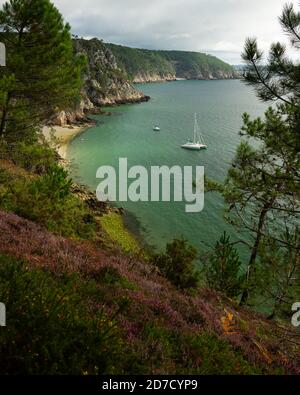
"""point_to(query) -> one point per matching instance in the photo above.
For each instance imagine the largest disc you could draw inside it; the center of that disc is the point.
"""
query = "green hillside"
(142, 61)
(151, 64)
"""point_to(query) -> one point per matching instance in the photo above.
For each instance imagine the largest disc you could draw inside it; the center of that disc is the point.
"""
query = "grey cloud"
(218, 27)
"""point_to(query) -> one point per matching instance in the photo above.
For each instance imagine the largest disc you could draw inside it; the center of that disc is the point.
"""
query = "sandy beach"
(62, 136)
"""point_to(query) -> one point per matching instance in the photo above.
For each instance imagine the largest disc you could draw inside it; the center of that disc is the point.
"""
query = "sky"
(218, 27)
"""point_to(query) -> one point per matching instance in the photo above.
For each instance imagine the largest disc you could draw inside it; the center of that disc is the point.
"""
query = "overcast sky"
(218, 27)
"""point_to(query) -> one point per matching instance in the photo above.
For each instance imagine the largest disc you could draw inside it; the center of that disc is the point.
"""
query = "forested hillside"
(143, 65)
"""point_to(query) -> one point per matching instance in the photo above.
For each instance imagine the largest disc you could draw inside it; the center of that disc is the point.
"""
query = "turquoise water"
(128, 133)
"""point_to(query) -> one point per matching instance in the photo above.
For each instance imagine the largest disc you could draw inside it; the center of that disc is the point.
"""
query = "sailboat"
(198, 142)
(156, 128)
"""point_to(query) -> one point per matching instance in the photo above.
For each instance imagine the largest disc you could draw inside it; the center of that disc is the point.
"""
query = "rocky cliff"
(104, 83)
(144, 76)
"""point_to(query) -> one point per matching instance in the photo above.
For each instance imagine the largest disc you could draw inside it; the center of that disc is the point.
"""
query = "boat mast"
(195, 129)
(198, 132)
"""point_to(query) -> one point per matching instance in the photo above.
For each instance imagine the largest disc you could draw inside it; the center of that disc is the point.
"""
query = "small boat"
(198, 142)
(156, 128)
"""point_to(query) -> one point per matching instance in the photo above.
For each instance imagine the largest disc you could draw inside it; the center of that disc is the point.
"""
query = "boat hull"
(196, 147)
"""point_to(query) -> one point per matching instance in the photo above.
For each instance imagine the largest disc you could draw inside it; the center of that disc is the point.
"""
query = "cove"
(128, 133)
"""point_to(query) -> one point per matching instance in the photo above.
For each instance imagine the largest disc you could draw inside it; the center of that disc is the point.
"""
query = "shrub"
(36, 158)
(177, 264)
(48, 200)
(223, 268)
(51, 328)
(4, 176)
(55, 183)
(216, 355)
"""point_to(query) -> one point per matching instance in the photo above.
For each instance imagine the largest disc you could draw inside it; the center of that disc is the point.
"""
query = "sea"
(126, 131)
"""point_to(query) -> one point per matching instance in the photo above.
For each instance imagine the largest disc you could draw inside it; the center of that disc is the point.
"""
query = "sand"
(63, 135)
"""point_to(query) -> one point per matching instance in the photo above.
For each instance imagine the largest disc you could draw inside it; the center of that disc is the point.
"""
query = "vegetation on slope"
(42, 74)
(198, 65)
(151, 64)
(142, 62)
(117, 233)
(146, 324)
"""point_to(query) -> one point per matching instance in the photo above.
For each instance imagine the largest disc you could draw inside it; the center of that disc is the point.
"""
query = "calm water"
(128, 133)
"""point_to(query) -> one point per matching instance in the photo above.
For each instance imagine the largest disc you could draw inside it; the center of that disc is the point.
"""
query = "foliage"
(168, 63)
(50, 327)
(36, 158)
(177, 264)
(164, 330)
(55, 183)
(217, 356)
(278, 273)
(42, 74)
(222, 269)
(48, 200)
(262, 187)
(189, 64)
(141, 61)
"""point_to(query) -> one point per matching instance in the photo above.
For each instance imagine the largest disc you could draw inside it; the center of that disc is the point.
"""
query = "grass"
(115, 229)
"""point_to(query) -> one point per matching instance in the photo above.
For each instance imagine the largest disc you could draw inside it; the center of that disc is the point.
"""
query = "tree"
(261, 190)
(42, 74)
(177, 264)
(278, 274)
(222, 268)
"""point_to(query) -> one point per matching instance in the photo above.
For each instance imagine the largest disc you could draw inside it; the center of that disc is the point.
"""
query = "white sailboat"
(156, 128)
(198, 142)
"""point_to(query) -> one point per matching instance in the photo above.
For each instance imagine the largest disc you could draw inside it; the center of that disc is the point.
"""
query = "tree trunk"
(255, 247)
(4, 116)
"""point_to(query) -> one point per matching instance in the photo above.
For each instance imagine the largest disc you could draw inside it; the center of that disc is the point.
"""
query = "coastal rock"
(105, 83)
(73, 117)
(153, 77)
(89, 197)
(59, 119)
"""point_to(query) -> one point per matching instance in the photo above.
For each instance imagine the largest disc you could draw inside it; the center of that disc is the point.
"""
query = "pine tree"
(262, 187)
(42, 74)
(177, 264)
(278, 273)
(222, 268)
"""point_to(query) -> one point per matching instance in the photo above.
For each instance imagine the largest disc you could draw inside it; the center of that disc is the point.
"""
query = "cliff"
(104, 83)
(142, 65)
